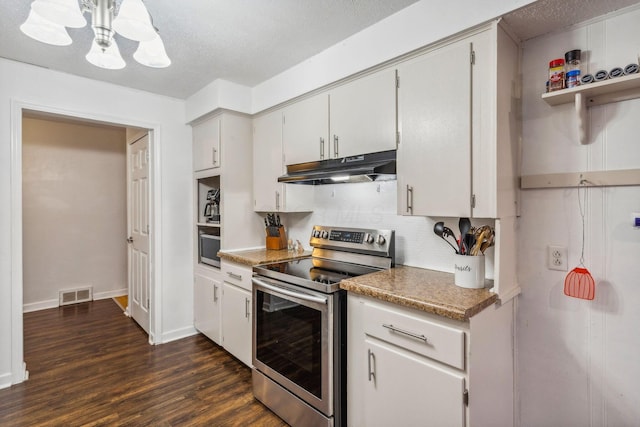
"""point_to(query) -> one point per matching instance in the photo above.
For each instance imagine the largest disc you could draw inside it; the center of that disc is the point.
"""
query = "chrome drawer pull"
(407, 333)
(234, 275)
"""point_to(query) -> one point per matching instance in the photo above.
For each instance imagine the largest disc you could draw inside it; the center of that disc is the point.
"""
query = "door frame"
(18, 366)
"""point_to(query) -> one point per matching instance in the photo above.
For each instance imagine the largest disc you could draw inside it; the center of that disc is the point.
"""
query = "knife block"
(276, 242)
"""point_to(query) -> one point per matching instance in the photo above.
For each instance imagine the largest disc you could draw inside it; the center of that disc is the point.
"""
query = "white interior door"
(138, 213)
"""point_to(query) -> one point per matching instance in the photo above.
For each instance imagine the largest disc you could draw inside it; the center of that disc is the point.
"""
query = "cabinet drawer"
(236, 274)
(422, 336)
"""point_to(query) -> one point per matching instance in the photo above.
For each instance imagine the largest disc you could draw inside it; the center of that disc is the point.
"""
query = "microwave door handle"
(290, 293)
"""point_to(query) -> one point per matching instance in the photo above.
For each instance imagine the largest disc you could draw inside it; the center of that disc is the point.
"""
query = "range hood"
(379, 166)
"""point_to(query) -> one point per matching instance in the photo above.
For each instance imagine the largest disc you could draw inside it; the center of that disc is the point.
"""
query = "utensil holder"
(278, 241)
(469, 271)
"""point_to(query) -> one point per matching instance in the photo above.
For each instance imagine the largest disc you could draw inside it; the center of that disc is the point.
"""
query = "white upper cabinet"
(269, 195)
(457, 114)
(305, 130)
(206, 144)
(357, 117)
(434, 111)
(363, 115)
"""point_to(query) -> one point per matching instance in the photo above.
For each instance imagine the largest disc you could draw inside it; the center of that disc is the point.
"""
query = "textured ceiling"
(248, 41)
(545, 16)
(242, 41)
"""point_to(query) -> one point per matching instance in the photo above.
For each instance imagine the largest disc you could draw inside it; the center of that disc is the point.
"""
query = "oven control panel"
(356, 239)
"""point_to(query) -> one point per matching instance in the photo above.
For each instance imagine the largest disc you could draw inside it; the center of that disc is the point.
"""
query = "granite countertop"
(426, 290)
(253, 257)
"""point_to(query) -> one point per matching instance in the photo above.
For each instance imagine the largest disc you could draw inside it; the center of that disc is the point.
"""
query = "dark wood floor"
(89, 365)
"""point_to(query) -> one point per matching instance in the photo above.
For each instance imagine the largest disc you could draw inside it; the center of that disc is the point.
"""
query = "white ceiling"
(242, 41)
(248, 41)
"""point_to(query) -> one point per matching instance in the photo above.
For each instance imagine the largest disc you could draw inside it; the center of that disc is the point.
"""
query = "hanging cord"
(582, 203)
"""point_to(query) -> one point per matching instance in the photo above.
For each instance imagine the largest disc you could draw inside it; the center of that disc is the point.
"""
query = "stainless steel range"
(299, 324)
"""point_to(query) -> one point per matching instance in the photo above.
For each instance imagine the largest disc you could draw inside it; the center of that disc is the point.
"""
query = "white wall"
(76, 96)
(577, 359)
(74, 216)
(418, 25)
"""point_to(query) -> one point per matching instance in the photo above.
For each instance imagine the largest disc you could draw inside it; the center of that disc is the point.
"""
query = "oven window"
(289, 340)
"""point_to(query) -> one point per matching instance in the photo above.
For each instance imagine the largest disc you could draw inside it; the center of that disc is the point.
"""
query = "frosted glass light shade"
(45, 31)
(62, 12)
(109, 58)
(152, 53)
(133, 21)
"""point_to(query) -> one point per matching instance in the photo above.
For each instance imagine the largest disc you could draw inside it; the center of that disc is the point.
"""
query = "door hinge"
(397, 138)
(465, 397)
(473, 200)
(397, 81)
(283, 119)
(473, 57)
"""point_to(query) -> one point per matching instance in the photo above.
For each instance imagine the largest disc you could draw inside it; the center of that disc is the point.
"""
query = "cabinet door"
(207, 302)
(363, 115)
(206, 144)
(305, 130)
(434, 153)
(236, 322)
(269, 195)
(267, 161)
(407, 390)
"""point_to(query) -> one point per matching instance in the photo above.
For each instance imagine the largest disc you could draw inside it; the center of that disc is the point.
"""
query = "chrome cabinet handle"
(246, 307)
(409, 199)
(215, 293)
(370, 357)
(234, 275)
(407, 333)
(214, 153)
(277, 200)
(321, 148)
(335, 146)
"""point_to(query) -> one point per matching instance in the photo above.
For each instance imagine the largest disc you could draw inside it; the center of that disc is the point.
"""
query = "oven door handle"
(305, 297)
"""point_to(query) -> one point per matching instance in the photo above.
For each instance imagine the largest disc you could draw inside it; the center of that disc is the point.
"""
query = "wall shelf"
(612, 178)
(605, 92)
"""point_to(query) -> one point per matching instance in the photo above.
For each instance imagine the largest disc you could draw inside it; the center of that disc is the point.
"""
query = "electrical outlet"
(557, 258)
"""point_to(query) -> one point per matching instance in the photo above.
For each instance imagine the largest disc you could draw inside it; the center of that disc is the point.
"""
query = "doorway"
(19, 109)
(74, 211)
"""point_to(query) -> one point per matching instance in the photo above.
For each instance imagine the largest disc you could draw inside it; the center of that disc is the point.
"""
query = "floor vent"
(73, 296)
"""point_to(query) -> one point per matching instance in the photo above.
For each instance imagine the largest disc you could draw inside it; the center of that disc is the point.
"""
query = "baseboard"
(110, 294)
(53, 303)
(178, 334)
(6, 380)
(40, 305)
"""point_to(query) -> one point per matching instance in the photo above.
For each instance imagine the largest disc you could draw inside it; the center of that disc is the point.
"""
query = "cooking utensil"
(469, 241)
(579, 283)
(481, 235)
(464, 224)
(440, 230)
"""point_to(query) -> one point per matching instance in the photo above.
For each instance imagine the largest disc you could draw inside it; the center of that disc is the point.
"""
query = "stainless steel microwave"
(208, 248)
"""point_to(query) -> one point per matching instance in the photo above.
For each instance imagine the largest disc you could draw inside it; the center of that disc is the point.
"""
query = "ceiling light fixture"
(48, 18)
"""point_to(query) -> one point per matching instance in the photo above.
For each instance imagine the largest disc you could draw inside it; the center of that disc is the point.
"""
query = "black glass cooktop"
(315, 273)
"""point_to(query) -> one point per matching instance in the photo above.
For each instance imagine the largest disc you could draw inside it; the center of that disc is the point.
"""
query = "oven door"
(292, 340)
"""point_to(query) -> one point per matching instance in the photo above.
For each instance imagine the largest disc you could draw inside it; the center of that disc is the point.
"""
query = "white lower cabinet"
(207, 295)
(406, 367)
(404, 389)
(236, 322)
(236, 310)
